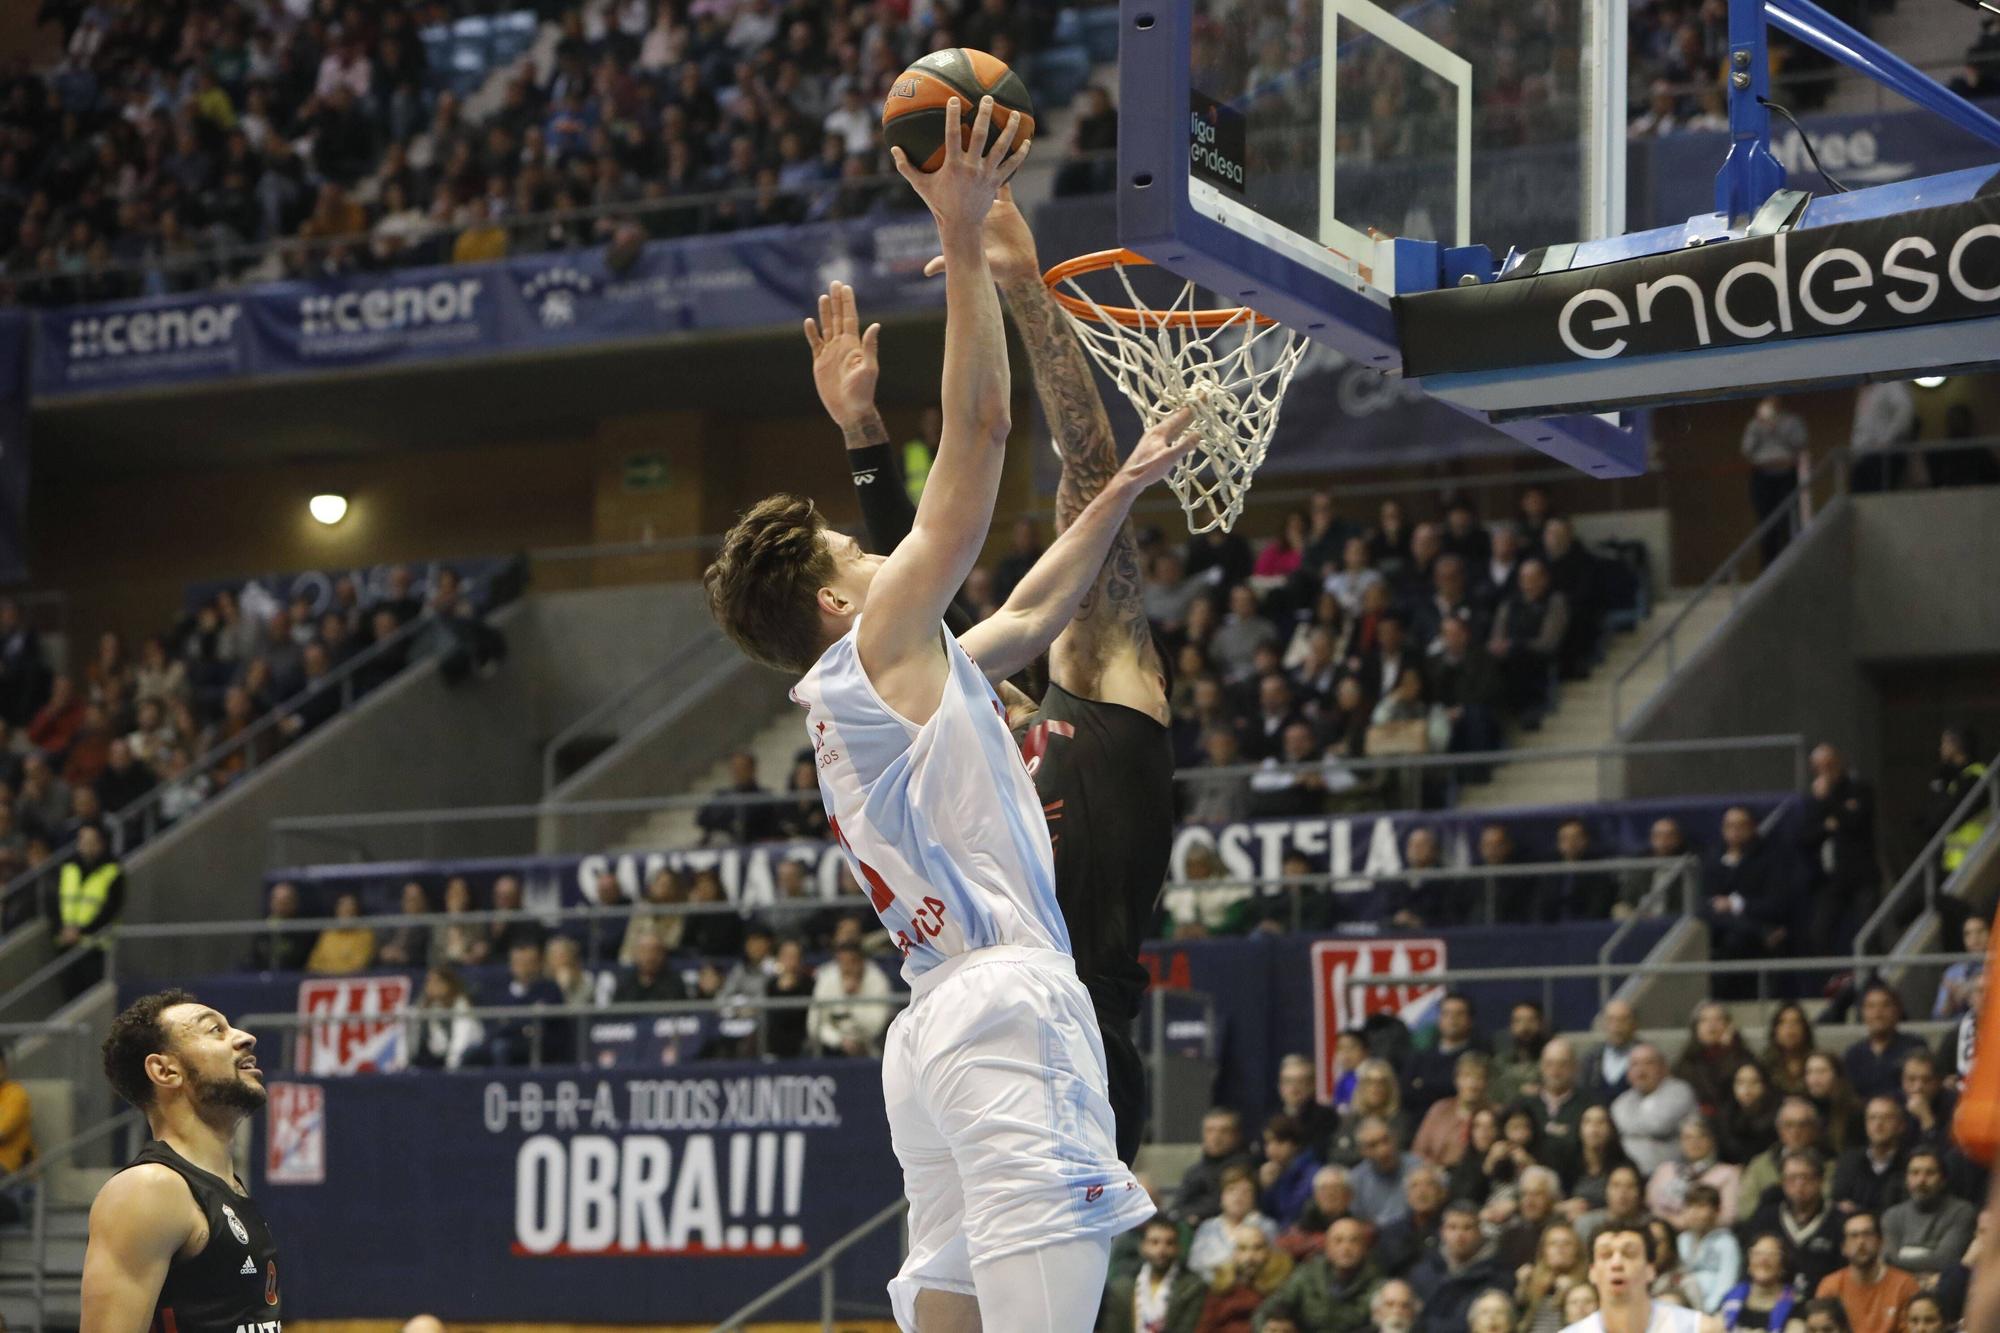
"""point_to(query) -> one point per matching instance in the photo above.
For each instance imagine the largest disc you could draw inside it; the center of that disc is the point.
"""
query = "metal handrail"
(38, 1227)
(1925, 868)
(1595, 971)
(821, 1266)
(46, 973)
(1834, 463)
(1191, 777)
(299, 925)
(703, 642)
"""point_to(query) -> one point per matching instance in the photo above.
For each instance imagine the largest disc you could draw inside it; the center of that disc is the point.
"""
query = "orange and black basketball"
(913, 116)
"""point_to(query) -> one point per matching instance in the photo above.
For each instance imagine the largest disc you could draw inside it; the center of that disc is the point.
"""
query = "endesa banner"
(613, 1198)
(764, 278)
(1931, 266)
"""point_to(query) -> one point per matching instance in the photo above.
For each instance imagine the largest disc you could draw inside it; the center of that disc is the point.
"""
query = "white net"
(1234, 374)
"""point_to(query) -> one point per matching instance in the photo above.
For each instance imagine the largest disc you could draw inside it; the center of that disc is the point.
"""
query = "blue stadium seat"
(1100, 32)
(1068, 29)
(1059, 74)
(513, 35)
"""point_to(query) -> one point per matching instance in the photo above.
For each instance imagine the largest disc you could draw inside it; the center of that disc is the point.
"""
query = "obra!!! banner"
(622, 1198)
(755, 279)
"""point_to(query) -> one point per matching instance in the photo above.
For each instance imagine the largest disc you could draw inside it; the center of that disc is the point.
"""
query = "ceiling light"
(329, 508)
(1928, 381)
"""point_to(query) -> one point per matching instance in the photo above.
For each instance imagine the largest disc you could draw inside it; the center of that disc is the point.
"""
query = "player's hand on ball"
(845, 361)
(1010, 246)
(1160, 448)
(962, 190)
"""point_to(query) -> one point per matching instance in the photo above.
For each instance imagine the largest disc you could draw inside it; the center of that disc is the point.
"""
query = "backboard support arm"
(1751, 173)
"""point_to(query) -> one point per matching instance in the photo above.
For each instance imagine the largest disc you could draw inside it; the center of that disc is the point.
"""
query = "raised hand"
(1160, 448)
(962, 190)
(845, 360)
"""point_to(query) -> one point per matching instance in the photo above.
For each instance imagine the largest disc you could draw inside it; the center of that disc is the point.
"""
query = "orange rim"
(1130, 316)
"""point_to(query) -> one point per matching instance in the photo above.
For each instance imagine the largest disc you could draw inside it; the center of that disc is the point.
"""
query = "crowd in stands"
(169, 129)
(1330, 643)
(1456, 1183)
(93, 762)
(479, 955)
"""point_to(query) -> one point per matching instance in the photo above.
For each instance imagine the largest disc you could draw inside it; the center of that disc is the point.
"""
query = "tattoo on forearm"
(1082, 434)
(869, 430)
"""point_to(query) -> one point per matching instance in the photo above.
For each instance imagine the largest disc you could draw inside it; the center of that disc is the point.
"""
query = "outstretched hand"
(845, 361)
(962, 190)
(1010, 245)
(1160, 448)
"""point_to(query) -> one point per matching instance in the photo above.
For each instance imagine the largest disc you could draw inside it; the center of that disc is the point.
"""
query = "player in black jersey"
(1098, 743)
(176, 1243)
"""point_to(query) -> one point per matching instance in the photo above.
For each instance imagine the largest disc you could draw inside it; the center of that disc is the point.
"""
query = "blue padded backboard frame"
(1157, 218)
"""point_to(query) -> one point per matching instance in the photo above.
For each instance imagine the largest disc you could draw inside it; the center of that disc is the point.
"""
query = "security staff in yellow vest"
(90, 893)
(1958, 773)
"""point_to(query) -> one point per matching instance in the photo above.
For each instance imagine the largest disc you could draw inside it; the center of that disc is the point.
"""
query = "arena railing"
(34, 1178)
(1604, 973)
(548, 827)
(1925, 880)
(822, 1268)
(1826, 480)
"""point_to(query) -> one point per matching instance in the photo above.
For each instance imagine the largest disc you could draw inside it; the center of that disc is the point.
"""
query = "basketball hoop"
(1225, 363)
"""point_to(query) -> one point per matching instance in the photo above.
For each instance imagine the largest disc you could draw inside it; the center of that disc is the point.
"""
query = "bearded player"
(176, 1242)
(1099, 744)
(993, 1077)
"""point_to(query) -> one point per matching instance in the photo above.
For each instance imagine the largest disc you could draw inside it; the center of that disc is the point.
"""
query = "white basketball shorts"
(994, 1083)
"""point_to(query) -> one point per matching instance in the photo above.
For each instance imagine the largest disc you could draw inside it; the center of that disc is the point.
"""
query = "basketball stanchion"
(1232, 365)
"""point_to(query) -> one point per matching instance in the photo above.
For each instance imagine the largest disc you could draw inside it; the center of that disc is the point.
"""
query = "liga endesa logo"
(1873, 282)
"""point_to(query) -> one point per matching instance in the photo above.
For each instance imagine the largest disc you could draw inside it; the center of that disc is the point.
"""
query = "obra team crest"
(236, 1227)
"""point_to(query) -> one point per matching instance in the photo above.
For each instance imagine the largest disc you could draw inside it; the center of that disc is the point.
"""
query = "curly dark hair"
(136, 1034)
(763, 587)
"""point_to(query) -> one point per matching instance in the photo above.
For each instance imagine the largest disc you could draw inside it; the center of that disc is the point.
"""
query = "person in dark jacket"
(1200, 1194)
(1751, 904)
(1837, 842)
(1868, 1177)
(1802, 1215)
(1330, 1292)
(1455, 1276)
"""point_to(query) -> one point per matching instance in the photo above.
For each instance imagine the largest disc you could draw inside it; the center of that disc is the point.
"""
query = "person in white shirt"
(1622, 1273)
(1649, 1112)
(1885, 415)
(849, 1028)
(1711, 1260)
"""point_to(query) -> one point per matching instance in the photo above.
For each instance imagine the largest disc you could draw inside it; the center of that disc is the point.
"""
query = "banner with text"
(1359, 848)
(614, 1198)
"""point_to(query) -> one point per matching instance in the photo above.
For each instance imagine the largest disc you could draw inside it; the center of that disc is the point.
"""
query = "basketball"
(913, 115)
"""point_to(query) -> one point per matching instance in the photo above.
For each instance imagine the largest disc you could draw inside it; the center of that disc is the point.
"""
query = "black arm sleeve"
(887, 514)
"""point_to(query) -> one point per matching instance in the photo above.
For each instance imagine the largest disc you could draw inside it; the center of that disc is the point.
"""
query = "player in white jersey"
(994, 1076)
(1621, 1269)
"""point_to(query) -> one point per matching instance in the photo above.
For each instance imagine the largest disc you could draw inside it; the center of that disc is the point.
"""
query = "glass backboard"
(1324, 127)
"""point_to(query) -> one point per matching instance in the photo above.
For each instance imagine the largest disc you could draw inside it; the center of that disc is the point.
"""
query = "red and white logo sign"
(295, 1145)
(365, 1031)
(1339, 1004)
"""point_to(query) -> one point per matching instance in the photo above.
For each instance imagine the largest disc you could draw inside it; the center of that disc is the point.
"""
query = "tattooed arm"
(1107, 652)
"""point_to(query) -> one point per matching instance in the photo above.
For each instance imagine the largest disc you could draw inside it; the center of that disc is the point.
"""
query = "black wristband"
(871, 463)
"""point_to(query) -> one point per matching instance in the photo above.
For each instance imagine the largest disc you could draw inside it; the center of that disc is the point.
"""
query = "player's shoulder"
(1590, 1324)
(147, 1197)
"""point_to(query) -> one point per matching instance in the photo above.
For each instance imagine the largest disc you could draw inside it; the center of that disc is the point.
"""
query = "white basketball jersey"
(1666, 1319)
(941, 821)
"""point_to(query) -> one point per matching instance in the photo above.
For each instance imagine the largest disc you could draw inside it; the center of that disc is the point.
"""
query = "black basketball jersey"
(232, 1285)
(1105, 774)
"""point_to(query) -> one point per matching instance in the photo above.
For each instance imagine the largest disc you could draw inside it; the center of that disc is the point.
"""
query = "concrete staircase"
(774, 746)
(1582, 716)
